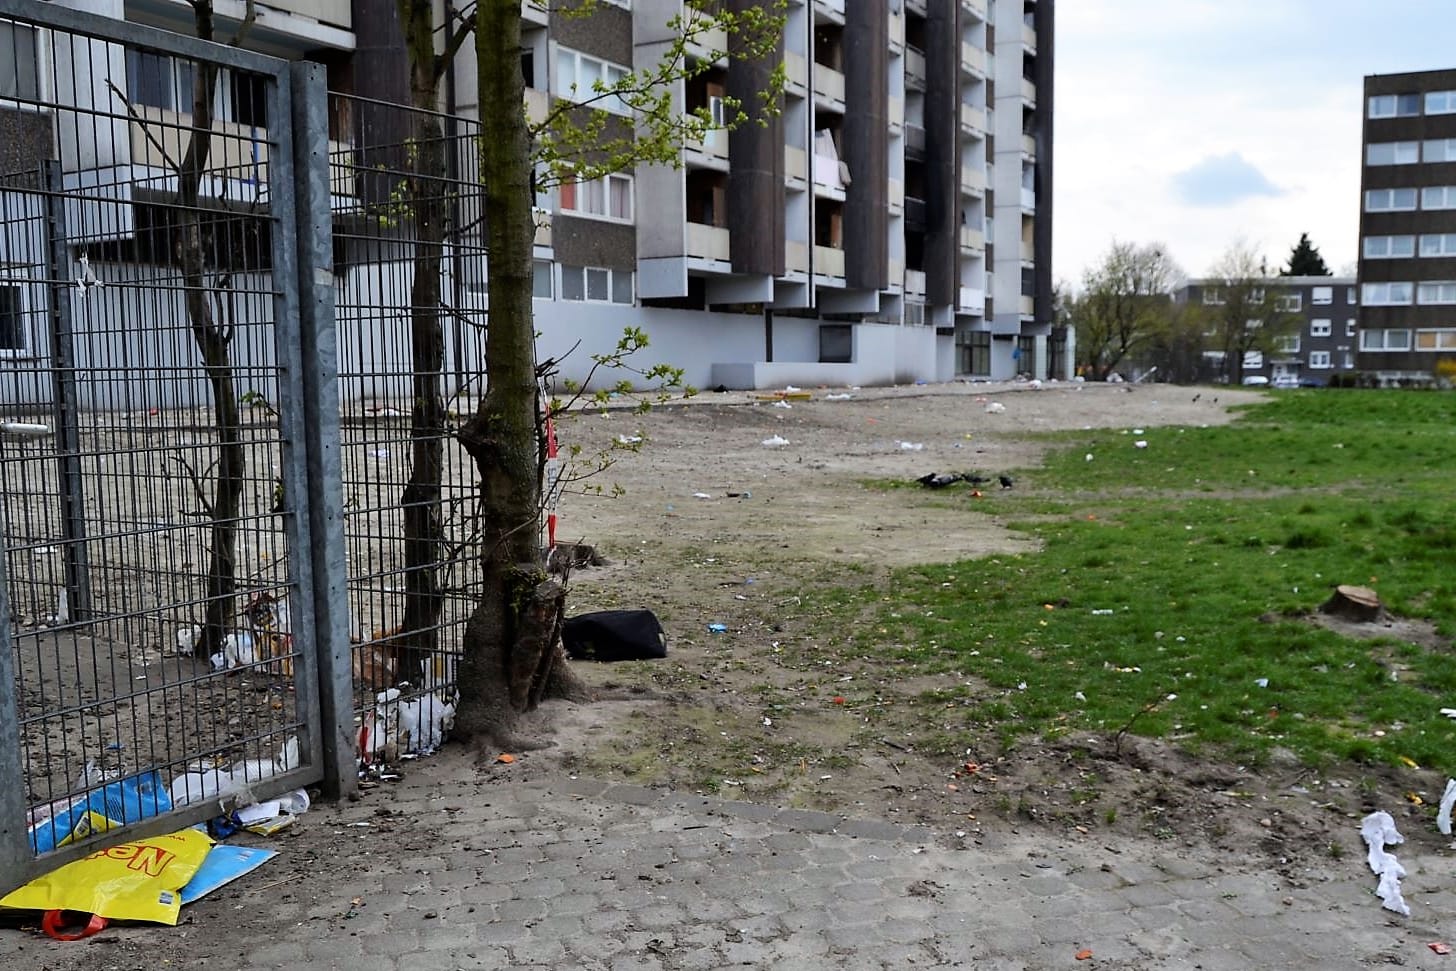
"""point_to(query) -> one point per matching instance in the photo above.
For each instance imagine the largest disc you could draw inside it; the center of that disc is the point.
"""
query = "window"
(1439, 293)
(1384, 340)
(1436, 340)
(1320, 327)
(1389, 247)
(1213, 297)
(1440, 102)
(160, 81)
(1287, 343)
(1253, 360)
(1289, 302)
(1438, 244)
(19, 81)
(578, 76)
(1438, 197)
(1392, 153)
(1390, 200)
(1439, 150)
(609, 197)
(1386, 294)
(1394, 106)
(247, 99)
(541, 283)
(1256, 295)
(1351, 297)
(1320, 296)
(12, 318)
(1350, 327)
(594, 284)
(1319, 359)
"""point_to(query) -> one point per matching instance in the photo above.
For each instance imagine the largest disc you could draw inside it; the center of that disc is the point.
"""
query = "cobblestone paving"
(435, 873)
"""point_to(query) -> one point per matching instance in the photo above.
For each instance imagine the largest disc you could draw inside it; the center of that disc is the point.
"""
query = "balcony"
(535, 13)
(973, 120)
(711, 152)
(829, 261)
(831, 10)
(897, 274)
(796, 256)
(707, 242)
(915, 212)
(1028, 306)
(1028, 37)
(973, 181)
(915, 283)
(973, 60)
(708, 45)
(828, 88)
(1028, 145)
(914, 139)
(796, 74)
(972, 240)
(796, 164)
(914, 68)
(1028, 200)
(896, 112)
(976, 8)
(971, 300)
(897, 32)
(1028, 91)
(896, 197)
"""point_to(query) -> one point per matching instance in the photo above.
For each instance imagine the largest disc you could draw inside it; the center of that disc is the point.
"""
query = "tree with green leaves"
(1244, 309)
(512, 654)
(1125, 302)
(1305, 260)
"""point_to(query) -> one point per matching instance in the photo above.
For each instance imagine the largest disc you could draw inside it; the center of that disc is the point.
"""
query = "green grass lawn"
(1171, 589)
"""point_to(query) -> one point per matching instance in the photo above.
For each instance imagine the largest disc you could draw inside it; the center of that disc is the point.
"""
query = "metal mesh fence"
(409, 267)
(151, 486)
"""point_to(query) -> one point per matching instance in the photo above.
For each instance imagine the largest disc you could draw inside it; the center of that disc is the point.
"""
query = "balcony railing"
(972, 300)
(796, 163)
(915, 283)
(973, 60)
(796, 256)
(828, 261)
(972, 240)
(707, 242)
(829, 85)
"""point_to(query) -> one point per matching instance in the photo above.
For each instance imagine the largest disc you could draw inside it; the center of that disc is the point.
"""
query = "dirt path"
(716, 528)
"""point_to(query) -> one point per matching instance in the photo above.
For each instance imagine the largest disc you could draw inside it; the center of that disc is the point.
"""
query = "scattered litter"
(782, 404)
(778, 441)
(1440, 947)
(379, 453)
(718, 628)
(1449, 712)
(505, 758)
(1102, 612)
(1262, 682)
(127, 799)
(139, 880)
(200, 784)
(701, 495)
(1378, 830)
(1089, 456)
(1448, 799)
(838, 397)
(995, 408)
(224, 864)
(397, 727)
(912, 446)
(1137, 431)
(1085, 954)
(629, 439)
(187, 639)
(1140, 443)
(1080, 696)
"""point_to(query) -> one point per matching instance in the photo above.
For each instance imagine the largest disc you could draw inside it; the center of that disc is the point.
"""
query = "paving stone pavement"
(559, 872)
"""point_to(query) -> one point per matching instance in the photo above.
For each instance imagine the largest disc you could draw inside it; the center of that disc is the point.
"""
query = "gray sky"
(1198, 123)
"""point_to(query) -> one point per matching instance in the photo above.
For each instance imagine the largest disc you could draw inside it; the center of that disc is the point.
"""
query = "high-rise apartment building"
(1407, 269)
(892, 223)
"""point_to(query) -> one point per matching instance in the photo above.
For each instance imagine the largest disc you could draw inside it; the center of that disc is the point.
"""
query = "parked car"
(1286, 381)
(1255, 380)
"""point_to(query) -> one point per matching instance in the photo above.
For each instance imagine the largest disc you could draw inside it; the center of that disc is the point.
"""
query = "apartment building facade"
(1318, 339)
(891, 224)
(1407, 267)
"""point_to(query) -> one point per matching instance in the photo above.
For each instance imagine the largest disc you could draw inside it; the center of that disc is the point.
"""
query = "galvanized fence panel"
(411, 542)
(119, 264)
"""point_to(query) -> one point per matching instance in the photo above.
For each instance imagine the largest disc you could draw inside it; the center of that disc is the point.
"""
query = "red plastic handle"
(54, 926)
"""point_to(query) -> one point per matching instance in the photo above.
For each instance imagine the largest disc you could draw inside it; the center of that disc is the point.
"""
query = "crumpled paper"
(1378, 830)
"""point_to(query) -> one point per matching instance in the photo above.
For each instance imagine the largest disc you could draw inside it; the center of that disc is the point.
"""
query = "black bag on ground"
(614, 635)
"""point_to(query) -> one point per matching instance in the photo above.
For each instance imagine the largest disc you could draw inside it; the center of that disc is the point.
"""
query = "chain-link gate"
(169, 434)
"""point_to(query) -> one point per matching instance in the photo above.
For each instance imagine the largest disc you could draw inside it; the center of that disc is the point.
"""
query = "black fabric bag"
(614, 635)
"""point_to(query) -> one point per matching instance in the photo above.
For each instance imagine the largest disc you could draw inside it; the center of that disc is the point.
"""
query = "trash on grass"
(718, 628)
(778, 441)
(995, 408)
(201, 784)
(505, 758)
(1378, 831)
(1440, 947)
(395, 727)
(912, 446)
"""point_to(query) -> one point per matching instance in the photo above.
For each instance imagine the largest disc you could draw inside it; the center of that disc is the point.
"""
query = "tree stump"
(1354, 603)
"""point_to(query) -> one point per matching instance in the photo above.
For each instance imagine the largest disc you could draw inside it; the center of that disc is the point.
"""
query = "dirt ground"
(716, 528)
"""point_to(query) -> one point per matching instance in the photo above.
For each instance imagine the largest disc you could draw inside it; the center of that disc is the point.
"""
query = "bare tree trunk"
(423, 529)
(511, 655)
(213, 338)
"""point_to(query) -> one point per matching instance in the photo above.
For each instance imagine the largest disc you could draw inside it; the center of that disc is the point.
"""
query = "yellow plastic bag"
(133, 881)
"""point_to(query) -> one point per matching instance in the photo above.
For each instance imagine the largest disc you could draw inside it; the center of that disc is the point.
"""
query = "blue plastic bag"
(124, 801)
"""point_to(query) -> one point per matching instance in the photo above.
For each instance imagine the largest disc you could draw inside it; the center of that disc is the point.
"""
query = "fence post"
(320, 348)
(76, 562)
(15, 854)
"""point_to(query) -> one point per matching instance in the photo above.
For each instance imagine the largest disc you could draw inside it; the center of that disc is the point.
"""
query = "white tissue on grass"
(1378, 830)
(1448, 799)
(778, 441)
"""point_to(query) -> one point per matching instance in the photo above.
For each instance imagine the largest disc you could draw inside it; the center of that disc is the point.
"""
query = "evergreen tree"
(1305, 260)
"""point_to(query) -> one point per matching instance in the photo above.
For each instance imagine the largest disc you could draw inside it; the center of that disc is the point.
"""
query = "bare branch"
(144, 124)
